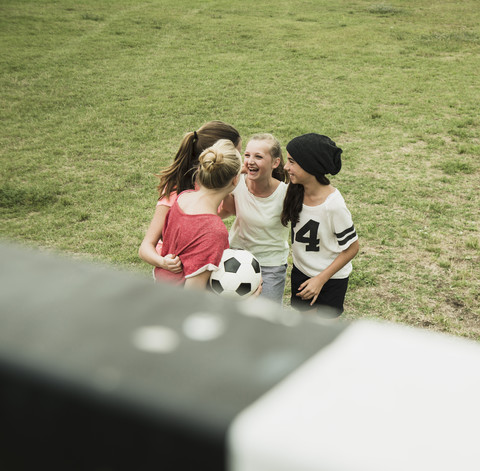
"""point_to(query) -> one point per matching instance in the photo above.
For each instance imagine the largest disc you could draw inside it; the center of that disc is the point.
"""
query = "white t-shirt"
(257, 227)
(323, 232)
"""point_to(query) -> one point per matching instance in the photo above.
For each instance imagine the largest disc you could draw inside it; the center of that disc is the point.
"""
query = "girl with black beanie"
(324, 240)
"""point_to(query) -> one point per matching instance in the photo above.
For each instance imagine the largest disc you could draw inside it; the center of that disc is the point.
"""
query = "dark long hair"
(293, 202)
(179, 176)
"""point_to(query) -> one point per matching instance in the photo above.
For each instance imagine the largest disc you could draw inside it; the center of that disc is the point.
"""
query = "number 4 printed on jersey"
(312, 241)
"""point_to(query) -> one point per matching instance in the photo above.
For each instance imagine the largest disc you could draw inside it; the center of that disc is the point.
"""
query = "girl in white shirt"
(324, 240)
(257, 202)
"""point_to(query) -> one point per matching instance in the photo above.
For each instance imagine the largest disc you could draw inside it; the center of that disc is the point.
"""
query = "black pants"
(330, 300)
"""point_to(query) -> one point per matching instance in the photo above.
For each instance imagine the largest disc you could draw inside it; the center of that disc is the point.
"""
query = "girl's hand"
(311, 289)
(258, 290)
(244, 167)
(172, 263)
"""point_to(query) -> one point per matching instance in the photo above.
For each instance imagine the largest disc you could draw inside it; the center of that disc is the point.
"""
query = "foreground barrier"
(102, 370)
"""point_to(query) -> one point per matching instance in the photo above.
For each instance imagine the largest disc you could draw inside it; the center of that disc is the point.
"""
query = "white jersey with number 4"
(323, 232)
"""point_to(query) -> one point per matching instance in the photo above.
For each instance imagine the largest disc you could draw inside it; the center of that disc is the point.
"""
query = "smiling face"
(295, 172)
(258, 162)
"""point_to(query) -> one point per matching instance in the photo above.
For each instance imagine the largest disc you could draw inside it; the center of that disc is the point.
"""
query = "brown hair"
(179, 176)
(276, 152)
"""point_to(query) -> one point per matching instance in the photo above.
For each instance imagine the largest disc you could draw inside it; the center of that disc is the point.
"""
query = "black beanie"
(316, 154)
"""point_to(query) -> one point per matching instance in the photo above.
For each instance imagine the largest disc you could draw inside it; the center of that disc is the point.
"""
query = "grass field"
(96, 96)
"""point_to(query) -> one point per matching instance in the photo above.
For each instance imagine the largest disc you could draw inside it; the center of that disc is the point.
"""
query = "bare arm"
(312, 287)
(227, 207)
(147, 249)
(199, 281)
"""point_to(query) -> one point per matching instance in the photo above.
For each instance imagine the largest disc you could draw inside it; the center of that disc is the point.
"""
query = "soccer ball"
(238, 275)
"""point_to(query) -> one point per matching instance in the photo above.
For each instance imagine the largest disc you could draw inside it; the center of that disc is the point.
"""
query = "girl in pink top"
(193, 231)
(174, 179)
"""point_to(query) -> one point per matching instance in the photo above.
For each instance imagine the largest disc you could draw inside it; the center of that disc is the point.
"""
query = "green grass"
(95, 97)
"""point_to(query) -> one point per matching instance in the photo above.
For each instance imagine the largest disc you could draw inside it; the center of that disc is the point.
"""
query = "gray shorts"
(274, 282)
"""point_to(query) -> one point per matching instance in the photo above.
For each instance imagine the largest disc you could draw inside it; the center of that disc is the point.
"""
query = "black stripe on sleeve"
(345, 232)
(350, 237)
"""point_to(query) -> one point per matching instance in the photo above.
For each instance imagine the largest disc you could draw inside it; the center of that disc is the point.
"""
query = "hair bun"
(210, 158)
(218, 164)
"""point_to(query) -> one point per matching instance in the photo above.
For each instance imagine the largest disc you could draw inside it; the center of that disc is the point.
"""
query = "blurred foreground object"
(102, 370)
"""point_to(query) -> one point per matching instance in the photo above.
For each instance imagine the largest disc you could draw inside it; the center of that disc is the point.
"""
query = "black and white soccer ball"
(238, 275)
